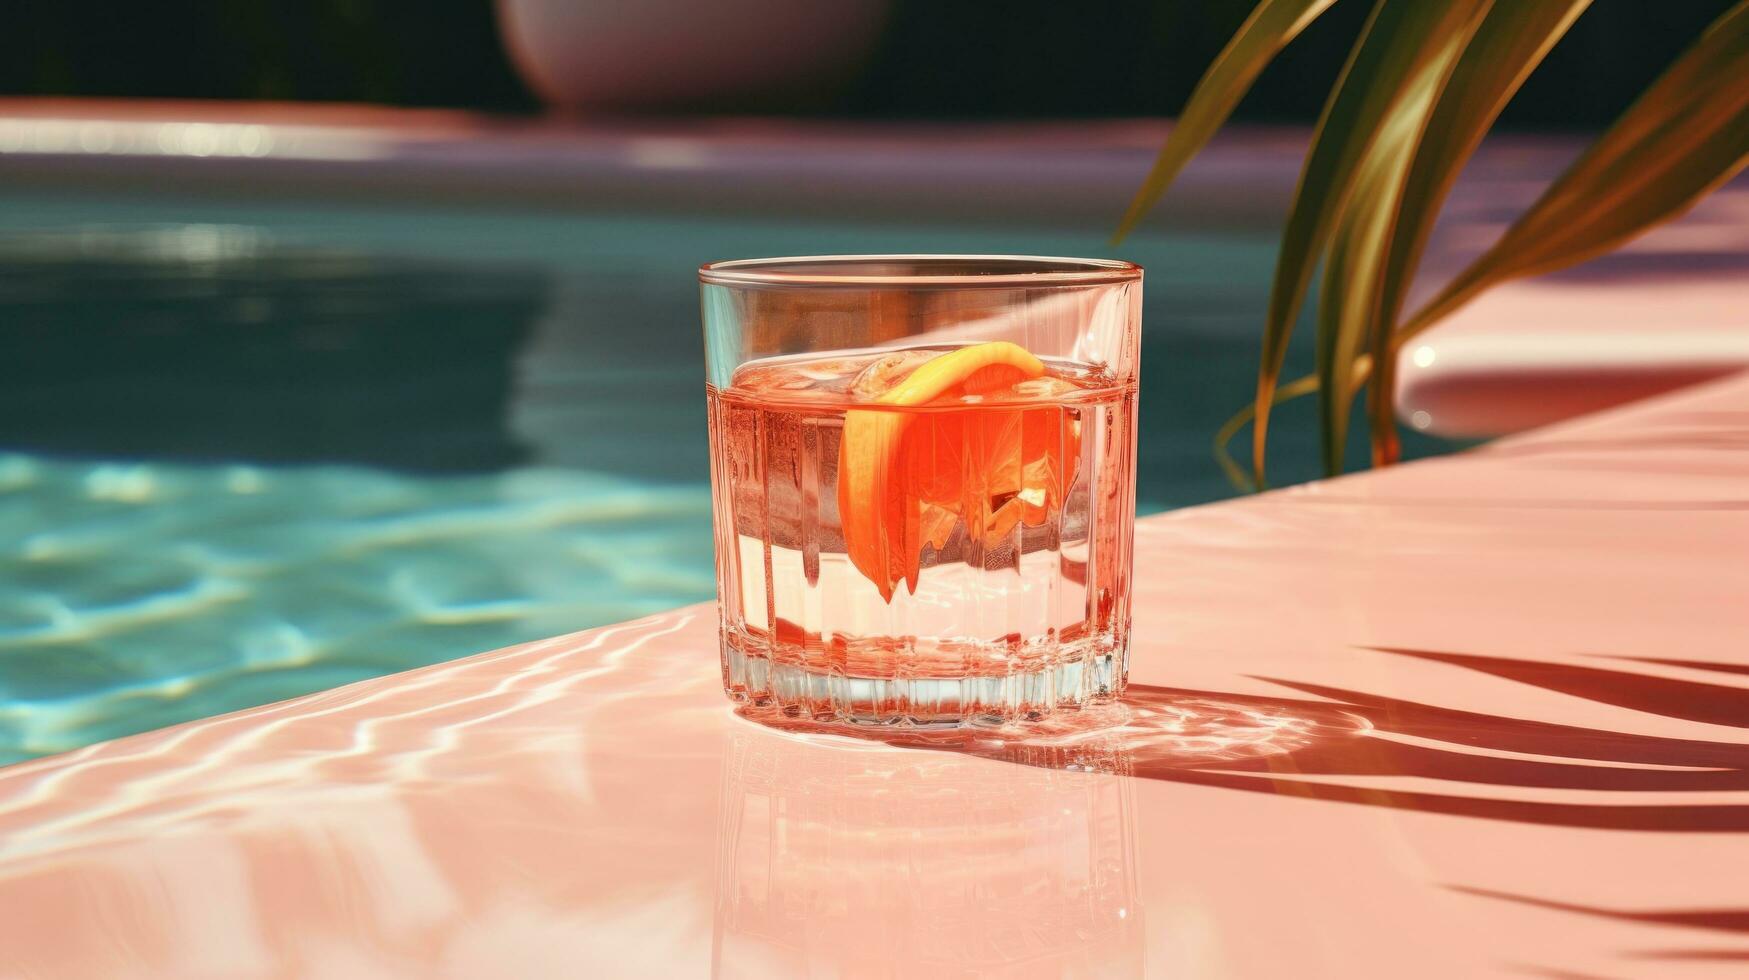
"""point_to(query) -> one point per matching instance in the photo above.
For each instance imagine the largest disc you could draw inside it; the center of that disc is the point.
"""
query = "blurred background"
(339, 337)
(910, 59)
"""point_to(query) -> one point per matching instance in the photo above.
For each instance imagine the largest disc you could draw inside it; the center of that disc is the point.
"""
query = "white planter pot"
(633, 54)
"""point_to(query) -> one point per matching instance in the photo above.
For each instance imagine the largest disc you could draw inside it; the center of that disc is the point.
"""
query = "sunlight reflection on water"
(250, 449)
(145, 594)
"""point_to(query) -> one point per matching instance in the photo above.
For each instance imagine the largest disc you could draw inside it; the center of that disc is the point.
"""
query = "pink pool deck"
(1667, 310)
(1480, 715)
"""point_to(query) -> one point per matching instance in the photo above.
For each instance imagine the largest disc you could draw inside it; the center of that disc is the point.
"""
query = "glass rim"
(1003, 271)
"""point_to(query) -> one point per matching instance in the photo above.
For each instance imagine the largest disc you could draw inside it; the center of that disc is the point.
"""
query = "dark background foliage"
(936, 58)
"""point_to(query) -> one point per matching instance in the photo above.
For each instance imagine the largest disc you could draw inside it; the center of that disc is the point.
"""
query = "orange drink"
(933, 528)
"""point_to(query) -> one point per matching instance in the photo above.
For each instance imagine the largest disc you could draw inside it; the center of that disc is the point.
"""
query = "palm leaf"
(1348, 300)
(1296, 388)
(1351, 300)
(1686, 135)
(1269, 28)
(1507, 46)
(1400, 39)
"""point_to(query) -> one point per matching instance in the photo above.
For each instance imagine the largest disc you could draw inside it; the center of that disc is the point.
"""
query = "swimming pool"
(251, 450)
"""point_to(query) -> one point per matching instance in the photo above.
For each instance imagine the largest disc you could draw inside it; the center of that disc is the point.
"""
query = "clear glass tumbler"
(923, 482)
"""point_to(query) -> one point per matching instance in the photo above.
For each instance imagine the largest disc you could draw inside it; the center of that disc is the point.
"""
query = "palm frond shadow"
(1693, 955)
(1714, 704)
(1550, 973)
(1728, 920)
(1712, 665)
(1717, 920)
(1303, 748)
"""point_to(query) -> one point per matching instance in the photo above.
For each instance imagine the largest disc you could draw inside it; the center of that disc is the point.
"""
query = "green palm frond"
(1400, 40)
(1507, 46)
(1269, 28)
(1423, 85)
(1685, 136)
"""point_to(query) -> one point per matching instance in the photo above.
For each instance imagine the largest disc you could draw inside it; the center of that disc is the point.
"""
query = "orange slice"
(909, 477)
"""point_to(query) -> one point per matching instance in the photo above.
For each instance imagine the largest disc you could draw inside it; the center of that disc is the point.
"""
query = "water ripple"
(144, 594)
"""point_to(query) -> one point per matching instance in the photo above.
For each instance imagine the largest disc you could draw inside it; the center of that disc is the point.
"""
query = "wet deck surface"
(1481, 715)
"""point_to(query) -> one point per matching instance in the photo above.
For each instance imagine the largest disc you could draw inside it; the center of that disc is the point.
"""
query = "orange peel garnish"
(908, 477)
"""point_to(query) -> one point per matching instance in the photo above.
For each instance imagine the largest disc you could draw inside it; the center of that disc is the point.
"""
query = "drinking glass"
(923, 482)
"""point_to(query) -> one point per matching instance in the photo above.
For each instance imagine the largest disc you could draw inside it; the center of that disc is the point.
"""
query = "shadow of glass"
(1271, 745)
(1150, 732)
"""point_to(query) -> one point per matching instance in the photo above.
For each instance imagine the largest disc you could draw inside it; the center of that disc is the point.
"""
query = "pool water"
(249, 451)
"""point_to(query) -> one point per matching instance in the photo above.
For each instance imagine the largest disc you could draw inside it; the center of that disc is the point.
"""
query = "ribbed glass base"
(1075, 673)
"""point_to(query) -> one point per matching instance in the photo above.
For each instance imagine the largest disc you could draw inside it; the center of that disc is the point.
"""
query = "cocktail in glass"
(923, 479)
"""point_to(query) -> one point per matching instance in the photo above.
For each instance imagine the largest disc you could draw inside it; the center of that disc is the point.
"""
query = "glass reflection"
(845, 858)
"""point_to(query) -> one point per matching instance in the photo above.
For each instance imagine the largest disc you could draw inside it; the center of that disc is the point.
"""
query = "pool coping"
(1526, 354)
(991, 172)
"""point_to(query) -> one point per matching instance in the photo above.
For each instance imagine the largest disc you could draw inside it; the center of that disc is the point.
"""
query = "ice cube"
(886, 371)
(1044, 388)
(780, 376)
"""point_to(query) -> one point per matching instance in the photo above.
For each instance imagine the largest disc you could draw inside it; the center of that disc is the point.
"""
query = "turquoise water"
(142, 594)
(249, 451)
